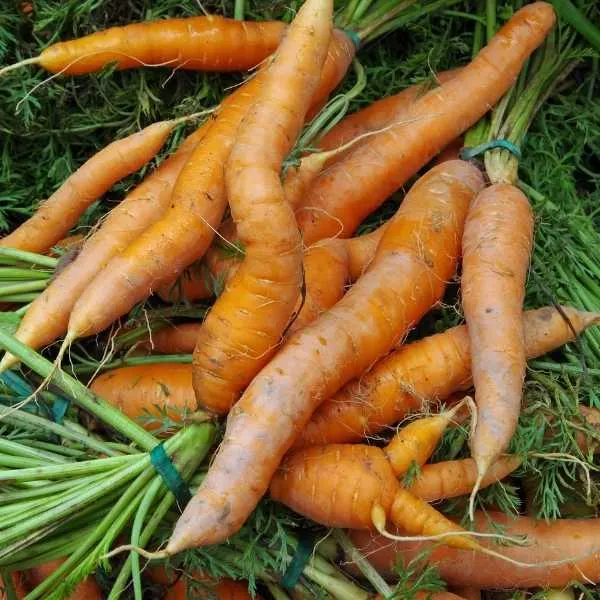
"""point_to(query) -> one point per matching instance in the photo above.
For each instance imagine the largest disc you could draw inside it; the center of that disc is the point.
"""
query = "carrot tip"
(130, 548)
(8, 361)
(28, 61)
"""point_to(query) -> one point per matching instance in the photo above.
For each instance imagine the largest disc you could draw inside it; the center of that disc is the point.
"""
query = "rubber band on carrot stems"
(474, 151)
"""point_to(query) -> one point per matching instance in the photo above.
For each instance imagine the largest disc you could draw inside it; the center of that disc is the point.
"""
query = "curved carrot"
(59, 213)
(156, 390)
(557, 540)
(175, 339)
(422, 372)
(247, 322)
(401, 285)
(361, 250)
(48, 316)
(352, 188)
(497, 245)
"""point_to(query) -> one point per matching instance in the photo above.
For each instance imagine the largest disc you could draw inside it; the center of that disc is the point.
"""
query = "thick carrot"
(399, 287)
(497, 245)
(59, 213)
(452, 478)
(557, 540)
(157, 390)
(175, 339)
(247, 322)
(423, 372)
(48, 316)
(185, 232)
(361, 250)
(352, 188)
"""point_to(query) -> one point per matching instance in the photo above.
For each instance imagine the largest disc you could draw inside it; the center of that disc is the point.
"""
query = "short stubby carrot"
(61, 211)
(247, 322)
(48, 316)
(497, 246)
(416, 257)
(422, 372)
(352, 188)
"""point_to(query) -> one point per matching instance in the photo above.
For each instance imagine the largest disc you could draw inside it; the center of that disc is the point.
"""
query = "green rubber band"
(469, 153)
(290, 578)
(354, 37)
(171, 476)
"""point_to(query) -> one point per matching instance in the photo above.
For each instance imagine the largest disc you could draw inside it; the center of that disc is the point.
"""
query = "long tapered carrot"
(48, 316)
(415, 258)
(247, 322)
(184, 233)
(422, 372)
(352, 188)
(497, 245)
(60, 212)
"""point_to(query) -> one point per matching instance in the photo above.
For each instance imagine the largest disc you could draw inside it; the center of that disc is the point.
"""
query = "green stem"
(21, 288)
(84, 369)
(13, 273)
(338, 588)
(490, 19)
(239, 10)
(19, 298)
(29, 452)
(10, 255)
(577, 19)
(563, 368)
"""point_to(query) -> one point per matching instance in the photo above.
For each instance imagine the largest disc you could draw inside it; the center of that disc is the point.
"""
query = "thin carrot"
(247, 322)
(175, 339)
(401, 284)
(48, 316)
(59, 213)
(497, 245)
(352, 188)
(423, 372)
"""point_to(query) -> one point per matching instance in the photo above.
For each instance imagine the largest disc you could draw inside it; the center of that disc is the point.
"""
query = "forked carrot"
(415, 258)
(247, 322)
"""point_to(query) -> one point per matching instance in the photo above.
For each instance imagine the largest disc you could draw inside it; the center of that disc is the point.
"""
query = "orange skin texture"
(467, 593)
(350, 189)
(61, 211)
(207, 43)
(497, 246)
(247, 322)
(558, 540)
(86, 590)
(450, 152)
(423, 372)
(175, 339)
(67, 243)
(144, 390)
(48, 317)
(399, 287)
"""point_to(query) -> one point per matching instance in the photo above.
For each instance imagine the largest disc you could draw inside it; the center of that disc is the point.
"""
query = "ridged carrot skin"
(497, 246)
(351, 189)
(421, 372)
(400, 286)
(207, 43)
(61, 211)
(247, 322)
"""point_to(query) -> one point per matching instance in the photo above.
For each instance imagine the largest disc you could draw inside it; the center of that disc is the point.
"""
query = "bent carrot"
(48, 316)
(422, 372)
(497, 245)
(60, 212)
(558, 540)
(352, 188)
(246, 324)
(401, 284)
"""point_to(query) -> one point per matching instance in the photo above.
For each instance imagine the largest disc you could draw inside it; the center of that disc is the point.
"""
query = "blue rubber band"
(469, 153)
(171, 476)
(60, 406)
(18, 385)
(290, 578)
(354, 37)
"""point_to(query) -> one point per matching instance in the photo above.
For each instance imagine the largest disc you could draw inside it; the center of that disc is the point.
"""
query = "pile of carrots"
(304, 348)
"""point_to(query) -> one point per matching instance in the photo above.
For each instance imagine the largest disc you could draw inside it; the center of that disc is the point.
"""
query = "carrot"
(175, 339)
(497, 245)
(422, 372)
(352, 188)
(185, 232)
(452, 478)
(246, 323)
(361, 250)
(156, 390)
(86, 590)
(18, 585)
(60, 212)
(210, 43)
(398, 288)
(48, 316)
(68, 243)
(224, 589)
(467, 592)
(450, 152)
(557, 540)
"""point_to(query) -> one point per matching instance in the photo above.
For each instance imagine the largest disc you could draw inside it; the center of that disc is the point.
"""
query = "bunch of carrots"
(304, 349)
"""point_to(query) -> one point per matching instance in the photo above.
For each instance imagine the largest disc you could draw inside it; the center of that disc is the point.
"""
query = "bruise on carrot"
(399, 287)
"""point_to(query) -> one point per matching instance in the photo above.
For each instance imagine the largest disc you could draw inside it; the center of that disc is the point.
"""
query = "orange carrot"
(48, 316)
(497, 245)
(68, 243)
(18, 584)
(52, 221)
(246, 323)
(87, 590)
(352, 188)
(557, 540)
(361, 250)
(452, 478)
(467, 592)
(152, 390)
(450, 152)
(423, 372)
(175, 339)
(401, 285)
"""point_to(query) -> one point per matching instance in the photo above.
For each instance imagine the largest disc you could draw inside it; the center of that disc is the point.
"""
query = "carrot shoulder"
(416, 257)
